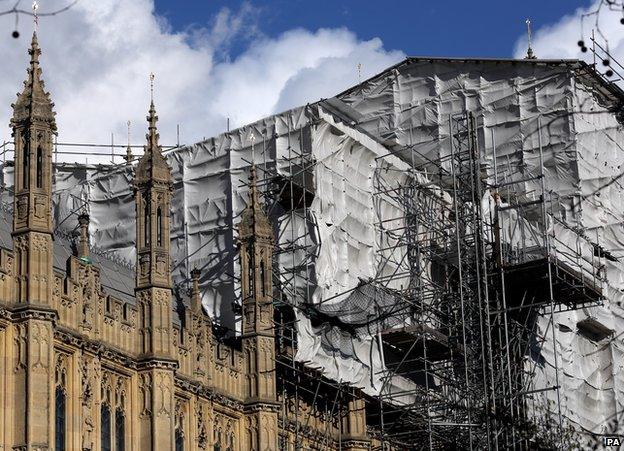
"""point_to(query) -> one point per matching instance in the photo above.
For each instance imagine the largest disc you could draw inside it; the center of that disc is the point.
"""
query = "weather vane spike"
(530, 55)
(35, 7)
(129, 155)
(152, 76)
(253, 139)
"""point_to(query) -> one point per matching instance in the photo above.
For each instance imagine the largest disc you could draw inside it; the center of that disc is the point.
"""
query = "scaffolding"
(469, 313)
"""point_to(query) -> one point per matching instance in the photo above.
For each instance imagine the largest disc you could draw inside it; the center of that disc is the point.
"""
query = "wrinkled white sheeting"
(518, 106)
(339, 356)
(344, 212)
(591, 372)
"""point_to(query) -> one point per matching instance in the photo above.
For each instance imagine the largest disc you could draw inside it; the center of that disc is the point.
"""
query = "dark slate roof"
(117, 279)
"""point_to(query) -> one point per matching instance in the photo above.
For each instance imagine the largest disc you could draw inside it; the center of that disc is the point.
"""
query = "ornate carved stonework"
(161, 266)
(145, 395)
(87, 375)
(21, 347)
(163, 394)
(202, 435)
(39, 352)
(22, 208)
(41, 207)
(33, 104)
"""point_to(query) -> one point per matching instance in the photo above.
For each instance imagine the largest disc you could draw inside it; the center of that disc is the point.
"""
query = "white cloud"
(97, 57)
(559, 40)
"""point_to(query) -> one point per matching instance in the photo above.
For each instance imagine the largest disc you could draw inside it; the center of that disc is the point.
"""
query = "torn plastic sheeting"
(338, 356)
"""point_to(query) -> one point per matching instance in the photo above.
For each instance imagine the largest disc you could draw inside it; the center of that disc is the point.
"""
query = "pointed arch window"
(218, 439)
(60, 405)
(105, 424)
(179, 439)
(180, 418)
(250, 270)
(159, 226)
(262, 278)
(120, 430)
(146, 220)
(39, 167)
(25, 168)
(230, 441)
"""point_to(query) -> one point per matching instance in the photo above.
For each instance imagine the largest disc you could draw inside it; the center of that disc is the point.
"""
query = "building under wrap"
(449, 235)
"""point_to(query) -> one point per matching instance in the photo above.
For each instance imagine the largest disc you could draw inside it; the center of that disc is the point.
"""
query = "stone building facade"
(85, 368)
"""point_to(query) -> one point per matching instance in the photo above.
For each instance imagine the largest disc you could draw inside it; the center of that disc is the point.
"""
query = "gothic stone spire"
(258, 334)
(33, 105)
(34, 127)
(152, 167)
(153, 185)
(254, 222)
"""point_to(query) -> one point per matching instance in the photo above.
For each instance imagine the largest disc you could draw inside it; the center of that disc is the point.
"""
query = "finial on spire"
(529, 55)
(253, 189)
(152, 118)
(152, 76)
(129, 155)
(34, 51)
(35, 7)
(253, 153)
(152, 165)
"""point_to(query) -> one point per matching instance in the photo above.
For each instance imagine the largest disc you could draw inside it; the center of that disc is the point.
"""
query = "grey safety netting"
(332, 253)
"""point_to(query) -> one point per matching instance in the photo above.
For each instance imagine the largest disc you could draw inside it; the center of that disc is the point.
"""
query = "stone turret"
(256, 255)
(34, 127)
(152, 187)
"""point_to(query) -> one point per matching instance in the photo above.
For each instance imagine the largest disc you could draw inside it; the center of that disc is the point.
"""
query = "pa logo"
(612, 441)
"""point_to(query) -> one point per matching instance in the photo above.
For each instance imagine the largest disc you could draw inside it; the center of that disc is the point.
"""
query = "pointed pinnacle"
(152, 135)
(34, 93)
(34, 50)
(152, 165)
(253, 188)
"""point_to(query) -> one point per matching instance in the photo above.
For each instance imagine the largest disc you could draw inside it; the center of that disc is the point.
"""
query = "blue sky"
(488, 28)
